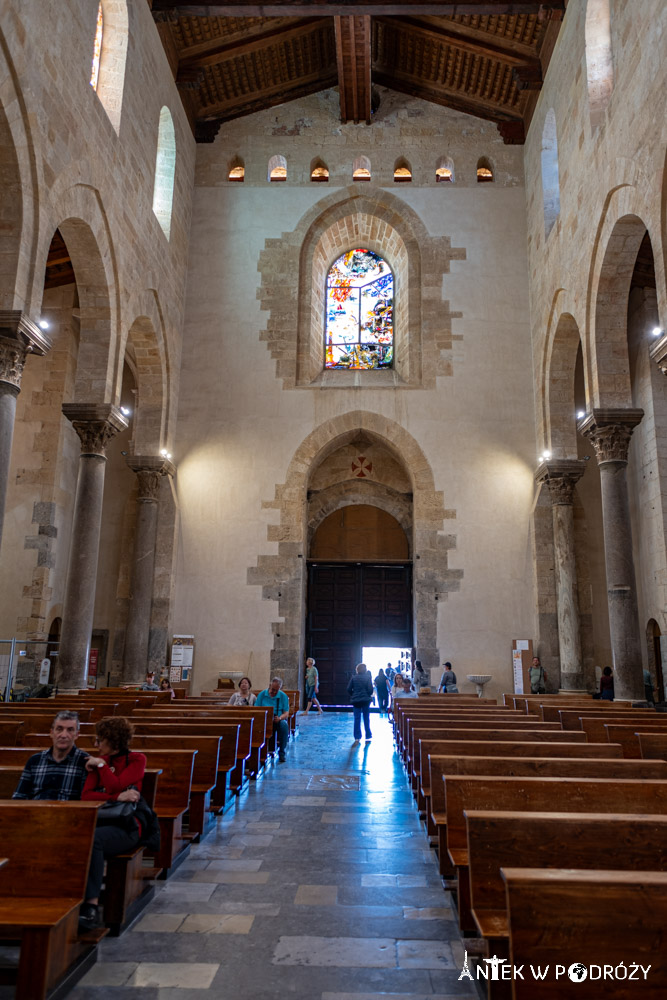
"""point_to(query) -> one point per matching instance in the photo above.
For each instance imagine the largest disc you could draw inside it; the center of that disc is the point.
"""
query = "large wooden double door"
(351, 606)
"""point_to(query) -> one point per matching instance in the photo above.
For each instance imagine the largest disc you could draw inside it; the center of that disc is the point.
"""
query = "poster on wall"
(93, 661)
(174, 675)
(518, 671)
(182, 650)
(522, 655)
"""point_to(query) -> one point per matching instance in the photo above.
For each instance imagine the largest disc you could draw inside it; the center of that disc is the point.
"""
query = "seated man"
(276, 699)
(58, 773)
(403, 690)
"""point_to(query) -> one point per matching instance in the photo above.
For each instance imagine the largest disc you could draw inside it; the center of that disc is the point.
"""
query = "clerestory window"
(359, 331)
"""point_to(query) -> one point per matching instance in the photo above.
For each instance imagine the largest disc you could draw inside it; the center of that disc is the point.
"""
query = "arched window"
(361, 169)
(236, 170)
(599, 65)
(444, 170)
(97, 48)
(165, 168)
(550, 183)
(402, 172)
(107, 77)
(484, 171)
(359, 331)
(319, 172)
(277, 168)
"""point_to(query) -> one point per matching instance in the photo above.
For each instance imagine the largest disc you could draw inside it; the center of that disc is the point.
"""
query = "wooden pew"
(594, 726)
(653, 746)
(628, 738)
(570, 718)
(412, 719)
(499, 840)
(442, 767)
(12, 733)
(604, 795)
(567, 917)
(48, 845)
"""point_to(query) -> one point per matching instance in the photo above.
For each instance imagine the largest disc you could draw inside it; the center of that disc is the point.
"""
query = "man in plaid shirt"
(59, 773)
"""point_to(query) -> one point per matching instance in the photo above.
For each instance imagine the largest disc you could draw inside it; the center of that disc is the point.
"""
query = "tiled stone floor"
(319, 885)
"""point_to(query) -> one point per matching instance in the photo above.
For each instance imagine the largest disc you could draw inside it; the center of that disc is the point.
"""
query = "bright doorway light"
(379, 656)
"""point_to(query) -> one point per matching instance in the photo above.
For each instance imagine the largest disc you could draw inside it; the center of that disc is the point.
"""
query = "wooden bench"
(601, 918)
(12, 733)
(499, 840)
(594, 726)
(653, 746)
(570, 718)
(485, 719)
(628, 737)
(604, 795)
(48, 845)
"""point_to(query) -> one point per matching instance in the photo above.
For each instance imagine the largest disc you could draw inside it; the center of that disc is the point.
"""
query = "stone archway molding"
(283, 576)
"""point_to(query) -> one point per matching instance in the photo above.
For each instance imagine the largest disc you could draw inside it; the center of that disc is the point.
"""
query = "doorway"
(350, 607)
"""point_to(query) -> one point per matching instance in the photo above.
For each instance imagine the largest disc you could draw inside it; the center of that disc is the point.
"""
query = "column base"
(578, 692)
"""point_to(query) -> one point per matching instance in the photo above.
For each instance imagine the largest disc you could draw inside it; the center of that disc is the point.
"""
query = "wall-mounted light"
(125, 410)
(165, 453)
(580, 414)
(43, 324)
(545, 456)
(657, 331)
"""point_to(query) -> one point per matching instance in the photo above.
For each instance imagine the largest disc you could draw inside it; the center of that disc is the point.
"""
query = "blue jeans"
(282, 729)
(361, 708)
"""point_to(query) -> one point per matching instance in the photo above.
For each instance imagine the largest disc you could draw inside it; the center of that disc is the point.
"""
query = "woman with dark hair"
(420, 678)
(113, 776)
(244, 695)
(607, 685)
(165, 685)
(360, 690)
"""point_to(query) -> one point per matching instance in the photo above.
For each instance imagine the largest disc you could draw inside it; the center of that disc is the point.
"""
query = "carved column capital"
(560, 477)
(658, 353)
(149, 470)
(19, 336)
(96, 424)
(609, 431)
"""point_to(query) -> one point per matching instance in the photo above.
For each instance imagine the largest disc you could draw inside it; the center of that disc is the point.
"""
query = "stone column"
(561, 477)
(19, 336)
(95, 423)
(609, 431)
(149, 472)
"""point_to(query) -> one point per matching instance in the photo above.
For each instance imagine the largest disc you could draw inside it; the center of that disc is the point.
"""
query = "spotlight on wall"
(43, 324)
(657, 331)
(580, 414)
(165, 453)
(545, 456)
(125, 410)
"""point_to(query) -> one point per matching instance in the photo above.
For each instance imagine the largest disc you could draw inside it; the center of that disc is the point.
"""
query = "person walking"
(312, 686)
(448, 680)
(360, 690)
(382, 688)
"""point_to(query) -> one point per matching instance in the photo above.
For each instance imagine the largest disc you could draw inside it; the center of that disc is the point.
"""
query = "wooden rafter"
(353, 56)
(327, 8)
(273, 36)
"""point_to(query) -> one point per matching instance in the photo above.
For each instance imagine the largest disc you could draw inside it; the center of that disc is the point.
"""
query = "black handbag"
(120, 814)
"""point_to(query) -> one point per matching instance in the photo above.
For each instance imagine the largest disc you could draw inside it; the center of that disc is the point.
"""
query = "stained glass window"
(97, 49)
(359, 330)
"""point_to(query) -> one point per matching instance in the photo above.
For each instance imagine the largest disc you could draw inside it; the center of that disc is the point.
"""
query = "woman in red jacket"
(113, 776)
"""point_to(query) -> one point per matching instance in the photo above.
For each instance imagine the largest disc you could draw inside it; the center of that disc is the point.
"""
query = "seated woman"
(244, 695)
(113, 776)
(166, 686)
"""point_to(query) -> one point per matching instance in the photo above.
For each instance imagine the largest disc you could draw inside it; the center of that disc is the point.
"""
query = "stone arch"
(113, 59)
(423, 336)
(610, 304)
(282, 576)
(361, 169)
(559, 388)
(277, 168)
(145, 350)
(353, 493)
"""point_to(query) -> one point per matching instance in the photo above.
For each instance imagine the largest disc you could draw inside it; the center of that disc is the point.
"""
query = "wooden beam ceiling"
(353, 56)
(325, 8)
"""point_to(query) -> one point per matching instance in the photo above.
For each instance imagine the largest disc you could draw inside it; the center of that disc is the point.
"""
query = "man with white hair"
(276, 699)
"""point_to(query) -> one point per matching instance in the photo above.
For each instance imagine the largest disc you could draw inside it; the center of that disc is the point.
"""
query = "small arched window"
(319, 172)
(550, 181)
(402, 172)
(484, 171)
(361, 169)
(277, 168)
(359, 332)
(97, 48)
(444, 170)
(165, 169)
(599, 64)
(236, 171)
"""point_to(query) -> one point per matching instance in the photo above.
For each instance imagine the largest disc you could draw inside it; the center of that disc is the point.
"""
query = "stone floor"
(319, 885)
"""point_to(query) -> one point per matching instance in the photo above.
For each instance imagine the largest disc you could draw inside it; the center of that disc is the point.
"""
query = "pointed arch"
(319, 172)
(361, 169)
(402, 171)
(165, 170)
(444, 170)
(277, 169)
(485, 171)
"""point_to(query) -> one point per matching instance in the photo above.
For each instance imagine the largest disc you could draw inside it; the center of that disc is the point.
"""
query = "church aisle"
(319, 885)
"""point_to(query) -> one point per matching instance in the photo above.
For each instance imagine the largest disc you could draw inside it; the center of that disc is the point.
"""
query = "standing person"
(607, 685)
(57, 774)
(390, 673)
(382, 688)
(273, 697)
(537, 677)
(115, 775)
(448, 680)
(360, 690)
(648, 687)
(420, 678)
(312, 686)
(244, 695)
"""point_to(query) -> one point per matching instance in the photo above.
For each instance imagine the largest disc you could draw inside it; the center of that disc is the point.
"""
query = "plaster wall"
(239, 428)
